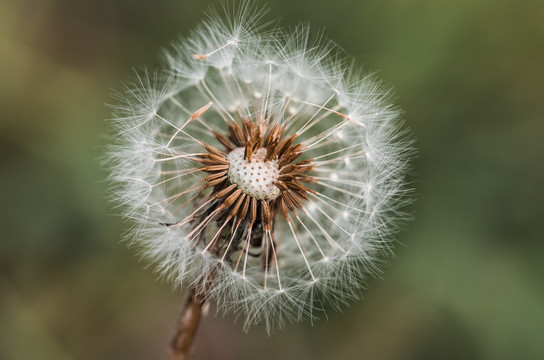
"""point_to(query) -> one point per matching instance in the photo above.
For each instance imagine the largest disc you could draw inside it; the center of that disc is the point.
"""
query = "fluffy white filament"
(232, 66)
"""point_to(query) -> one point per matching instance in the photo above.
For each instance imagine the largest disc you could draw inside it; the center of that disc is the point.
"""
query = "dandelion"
(261, 171)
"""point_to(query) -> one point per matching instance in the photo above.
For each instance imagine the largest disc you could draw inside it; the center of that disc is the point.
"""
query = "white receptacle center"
(256, 177)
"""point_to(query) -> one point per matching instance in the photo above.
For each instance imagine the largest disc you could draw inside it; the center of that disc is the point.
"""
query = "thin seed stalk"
(182, 342)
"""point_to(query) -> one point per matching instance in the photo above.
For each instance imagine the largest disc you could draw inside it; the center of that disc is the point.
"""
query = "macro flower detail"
(259, 169)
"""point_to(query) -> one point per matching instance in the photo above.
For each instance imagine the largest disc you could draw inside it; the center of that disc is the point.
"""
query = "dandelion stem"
(182, 341)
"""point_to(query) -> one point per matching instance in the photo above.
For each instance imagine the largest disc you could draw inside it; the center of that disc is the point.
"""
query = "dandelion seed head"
(261, 167)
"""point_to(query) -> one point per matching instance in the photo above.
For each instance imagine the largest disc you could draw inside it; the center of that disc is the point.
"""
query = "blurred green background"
(468, 280)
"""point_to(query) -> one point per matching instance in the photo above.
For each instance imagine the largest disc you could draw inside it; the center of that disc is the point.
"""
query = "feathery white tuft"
(232, 67)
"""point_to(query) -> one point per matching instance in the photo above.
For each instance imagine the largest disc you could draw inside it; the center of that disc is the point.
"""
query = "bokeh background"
(468, 280)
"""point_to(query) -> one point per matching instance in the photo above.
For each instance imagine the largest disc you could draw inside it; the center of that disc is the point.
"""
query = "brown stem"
(181, 344)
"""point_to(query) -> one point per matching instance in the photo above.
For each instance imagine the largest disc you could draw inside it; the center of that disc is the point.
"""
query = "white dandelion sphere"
(260, 169)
